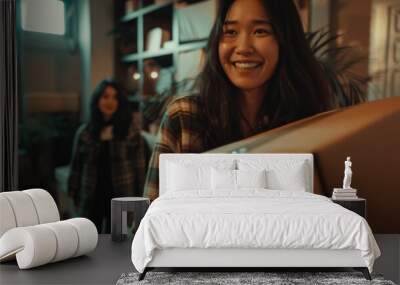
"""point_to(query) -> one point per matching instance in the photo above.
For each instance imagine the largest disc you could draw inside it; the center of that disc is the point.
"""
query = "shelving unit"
(150, 54)
(145, 10)
(132, 29)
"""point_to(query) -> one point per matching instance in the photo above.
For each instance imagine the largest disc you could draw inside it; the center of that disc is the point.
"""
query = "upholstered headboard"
(210, 158)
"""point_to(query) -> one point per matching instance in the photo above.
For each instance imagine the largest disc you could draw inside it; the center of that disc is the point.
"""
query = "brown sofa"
(368, 132)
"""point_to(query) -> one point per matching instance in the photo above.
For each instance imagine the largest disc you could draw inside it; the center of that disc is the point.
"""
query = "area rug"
(244, 278)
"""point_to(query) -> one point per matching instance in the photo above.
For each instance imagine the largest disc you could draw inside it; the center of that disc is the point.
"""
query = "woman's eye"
(262, 32)
(230, 32)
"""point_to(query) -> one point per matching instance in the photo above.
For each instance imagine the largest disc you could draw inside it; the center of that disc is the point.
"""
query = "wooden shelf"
(133, 30)
(146, 10)
(150, 54)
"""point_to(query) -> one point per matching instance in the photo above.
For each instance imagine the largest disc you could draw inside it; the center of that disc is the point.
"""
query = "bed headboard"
(210, 157)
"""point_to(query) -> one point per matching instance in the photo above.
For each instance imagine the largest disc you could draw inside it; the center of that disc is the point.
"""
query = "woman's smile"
(246, 65)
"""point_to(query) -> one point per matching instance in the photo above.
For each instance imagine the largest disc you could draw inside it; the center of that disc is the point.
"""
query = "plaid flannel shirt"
(180, 132)
(128, 159)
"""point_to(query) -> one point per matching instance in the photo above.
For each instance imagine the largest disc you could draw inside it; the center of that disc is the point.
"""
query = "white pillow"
(281, 174)
(290, 179)
(251, 178)
(235, 179)
(181, 178)
(193, 174)
(223, 179)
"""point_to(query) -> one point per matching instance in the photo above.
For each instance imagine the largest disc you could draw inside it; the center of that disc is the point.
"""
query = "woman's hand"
(106, 133)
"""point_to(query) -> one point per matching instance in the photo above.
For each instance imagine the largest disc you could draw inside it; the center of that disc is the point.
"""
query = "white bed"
(198, 223)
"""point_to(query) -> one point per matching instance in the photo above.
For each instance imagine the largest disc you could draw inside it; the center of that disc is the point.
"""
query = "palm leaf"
(338, 62)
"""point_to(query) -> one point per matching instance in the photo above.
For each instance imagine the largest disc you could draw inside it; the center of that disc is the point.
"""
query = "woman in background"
(260, 73)
(109, 157)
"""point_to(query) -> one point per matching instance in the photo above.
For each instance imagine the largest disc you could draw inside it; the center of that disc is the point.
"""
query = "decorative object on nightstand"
(357, 205)
(347, 192)
(119, 209)
(340, 193)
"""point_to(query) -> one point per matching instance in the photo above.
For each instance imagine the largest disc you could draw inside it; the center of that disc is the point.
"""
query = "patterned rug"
(243, 278)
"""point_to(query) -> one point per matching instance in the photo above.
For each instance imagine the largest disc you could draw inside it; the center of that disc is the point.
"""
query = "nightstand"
(119, 208)
(358, 205)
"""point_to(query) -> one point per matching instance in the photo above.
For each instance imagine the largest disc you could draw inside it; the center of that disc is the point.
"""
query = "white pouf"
(7, 219)
(31, 231)
(26, 208)
(23, 208)
(45, 205)
(40, 244)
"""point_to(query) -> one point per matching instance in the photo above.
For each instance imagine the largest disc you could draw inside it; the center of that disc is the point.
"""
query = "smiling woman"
(249, 53)
(109, 157)
(259, 73)
(242, 49)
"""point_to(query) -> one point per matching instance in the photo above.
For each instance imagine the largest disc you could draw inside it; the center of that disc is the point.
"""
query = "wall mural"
(155, 50)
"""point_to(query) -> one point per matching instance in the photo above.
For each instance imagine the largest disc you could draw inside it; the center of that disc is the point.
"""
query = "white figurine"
(347, 174)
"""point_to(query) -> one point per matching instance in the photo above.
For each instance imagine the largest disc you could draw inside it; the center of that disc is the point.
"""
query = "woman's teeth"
(246, 64)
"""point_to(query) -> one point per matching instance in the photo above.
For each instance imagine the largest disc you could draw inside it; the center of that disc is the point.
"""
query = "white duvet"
(252, 218)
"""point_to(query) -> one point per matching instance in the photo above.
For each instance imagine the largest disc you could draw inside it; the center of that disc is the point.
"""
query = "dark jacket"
(128, 163)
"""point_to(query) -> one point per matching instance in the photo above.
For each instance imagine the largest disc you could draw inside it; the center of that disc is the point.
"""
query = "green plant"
(337, 62)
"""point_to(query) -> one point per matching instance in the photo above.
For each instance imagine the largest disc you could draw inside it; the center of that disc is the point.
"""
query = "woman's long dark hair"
(121, 119)
(296, 90)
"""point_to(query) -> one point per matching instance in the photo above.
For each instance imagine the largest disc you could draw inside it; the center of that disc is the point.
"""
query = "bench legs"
(364, 271)
(143, 274)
